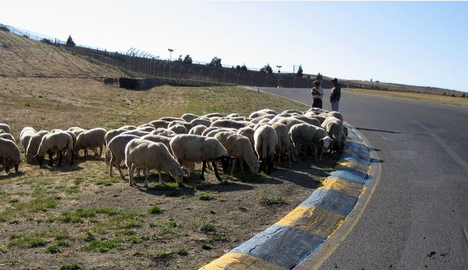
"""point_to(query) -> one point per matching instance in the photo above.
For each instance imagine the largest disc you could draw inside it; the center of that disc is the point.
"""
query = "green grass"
(206, 197)
(154, 209)
(170, 226)
(79, 215)
(220, 239)
(3, 250)
(160, 253)
(53, 249)
(73, 266)
(26, 241)
(269, 198)
(103, 245)
(205, 226)
(35, 205)
(108, 182)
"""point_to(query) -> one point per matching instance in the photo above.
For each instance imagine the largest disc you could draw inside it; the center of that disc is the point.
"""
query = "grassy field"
(459, 101)
(62, 218)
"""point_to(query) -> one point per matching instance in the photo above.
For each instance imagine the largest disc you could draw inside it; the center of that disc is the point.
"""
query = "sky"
(416, 43)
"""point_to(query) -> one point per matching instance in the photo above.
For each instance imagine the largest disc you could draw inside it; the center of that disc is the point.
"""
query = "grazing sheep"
(239, 147)
(212, 133)
(116, 151)
(201, 121)
(266, 139)
(212, 115)
(164, 132)
(34, 143)
(179, 129)
(8, 136)
(289, 122)
(9, 153)
(136, 132)
(308, 120)
(112, 134)
(25, 136)
(170, 118)
(160, 123)
(5, 127)
(76, 130)
(228, 123)
(197, 130)
(249, 133)
(189, 116)
(91, 139)
(316, 116)
(146, 128)
(194, 148)
(58, 142)
(261, 113)
(128, 127)
(332, 113)
(158, 138)
(335, 129)
(187, 125)
(292, 111)
(144, 154)
(305, 134)
(284, 142)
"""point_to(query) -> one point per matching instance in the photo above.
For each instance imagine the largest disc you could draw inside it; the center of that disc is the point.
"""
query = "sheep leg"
(130, 174)
(111, 164)
(50, 158)
(16, 167)
(100, 151)
(71, 154)
(160, 177)
(146, 171)
(234, 165)
(216, 171)
(203, 171)
(60, 158)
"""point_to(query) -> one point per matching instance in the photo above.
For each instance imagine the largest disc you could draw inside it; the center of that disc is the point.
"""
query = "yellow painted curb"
(347, 188)
(238, 261)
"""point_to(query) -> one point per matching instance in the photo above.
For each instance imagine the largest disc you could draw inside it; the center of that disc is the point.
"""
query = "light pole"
(170, 54)
(278, 74)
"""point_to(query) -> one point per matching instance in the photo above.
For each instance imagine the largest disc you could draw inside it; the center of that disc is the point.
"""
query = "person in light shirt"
(317, 94)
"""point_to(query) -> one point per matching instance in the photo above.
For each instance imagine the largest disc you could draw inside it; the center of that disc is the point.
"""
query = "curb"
(294, 241)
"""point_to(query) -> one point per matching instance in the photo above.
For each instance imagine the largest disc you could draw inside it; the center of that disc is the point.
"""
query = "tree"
(266, 69)
(70, 42)
(238, 67)
(319, 76)
(300, 72)
(244, 67)
(187, 59)
(179, 59)
(215, 62)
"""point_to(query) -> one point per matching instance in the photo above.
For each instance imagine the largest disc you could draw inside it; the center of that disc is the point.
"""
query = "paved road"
(418, 216)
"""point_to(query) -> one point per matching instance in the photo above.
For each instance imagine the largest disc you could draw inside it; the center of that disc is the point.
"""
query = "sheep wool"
(9, 152)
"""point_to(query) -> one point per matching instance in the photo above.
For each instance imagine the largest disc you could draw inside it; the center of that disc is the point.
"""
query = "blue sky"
(419, 43)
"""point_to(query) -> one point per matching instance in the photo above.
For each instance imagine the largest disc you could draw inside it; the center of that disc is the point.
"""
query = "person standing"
(317, 94)
(335, 95)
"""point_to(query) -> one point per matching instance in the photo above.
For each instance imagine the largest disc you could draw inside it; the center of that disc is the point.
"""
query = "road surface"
(417, 217)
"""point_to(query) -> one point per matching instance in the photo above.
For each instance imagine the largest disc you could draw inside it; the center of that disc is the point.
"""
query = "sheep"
(34, 143)
(5, 127)
(116, 151)
(170, 118)
(239, 147)
(289, 122)
(187, 125)
(158, 138)
(76, 130)
(8, 136)
(189, 116)
(136, 132)
(128, 127)
(308, 120)
(141, 153)
(179, 129)
(197, 130)
(266, 139)
(262, 113)
(212, 133)
(284, 142)
(9, 153)
(112, 134)
(292, 111)
(212, 115)
(195, 148)
(332, 113)
(335, 129)
(91, 139)
(25, 136)
(305, 134)
(58, 142)
(228, 123)
(146, 128)
(249, 133)
(164, 132)
(316, 116)
(160, 123)
(201, 121)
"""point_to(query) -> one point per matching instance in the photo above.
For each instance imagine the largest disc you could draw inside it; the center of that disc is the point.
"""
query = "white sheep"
(284, 146)
(116, 151)
(186, 124)
(179, 129)
(309, 120)
(91, 139)
(197, 130)
(25, 136)
(249, 133)
(128, 127)
(228, 123)
(57, 142)
(305, 134)
(189, 116)
(158, 138)
(335, 129)
(194, 148)
(5, 127)
(34, 143)
(289, 121)
(239, 147)
(213, 115)
(164, 132)
(266, 139)
(9, 153)
(76, 130)
(144, 154)
(201, 121)
(261, 113)
(8, 136)
(160, 123)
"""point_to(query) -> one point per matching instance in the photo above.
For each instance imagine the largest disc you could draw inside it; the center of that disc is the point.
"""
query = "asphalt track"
(417, 217)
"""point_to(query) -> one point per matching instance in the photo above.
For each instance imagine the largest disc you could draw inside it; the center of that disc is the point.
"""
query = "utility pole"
(170, 53)
(278, 66)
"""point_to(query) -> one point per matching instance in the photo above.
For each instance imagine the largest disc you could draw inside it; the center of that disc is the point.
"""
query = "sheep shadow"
(10, 175)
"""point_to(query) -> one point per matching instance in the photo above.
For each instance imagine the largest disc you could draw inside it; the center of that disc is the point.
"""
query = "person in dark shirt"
(335, 95)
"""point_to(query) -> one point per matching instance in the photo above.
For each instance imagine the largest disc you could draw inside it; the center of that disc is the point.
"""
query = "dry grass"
(449, 100)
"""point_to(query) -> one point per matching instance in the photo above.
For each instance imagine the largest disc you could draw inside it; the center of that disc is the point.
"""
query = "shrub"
(265, 198)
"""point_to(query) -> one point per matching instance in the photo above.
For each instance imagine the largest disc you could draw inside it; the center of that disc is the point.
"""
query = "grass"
(160, 253)
(269, 198)
(26, 241)
(154, 209)
(220, 239)
(205, 226)
(449, 100)
(35, 205)
(206, 197)
(170, 226)
(102, 245)
(73, 266)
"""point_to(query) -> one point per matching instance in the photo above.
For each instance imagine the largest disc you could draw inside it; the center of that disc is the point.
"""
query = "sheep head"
(326, 142)
(178, 175)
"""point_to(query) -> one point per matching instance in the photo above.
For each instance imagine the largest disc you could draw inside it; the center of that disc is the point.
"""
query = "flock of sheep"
(173, 145)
